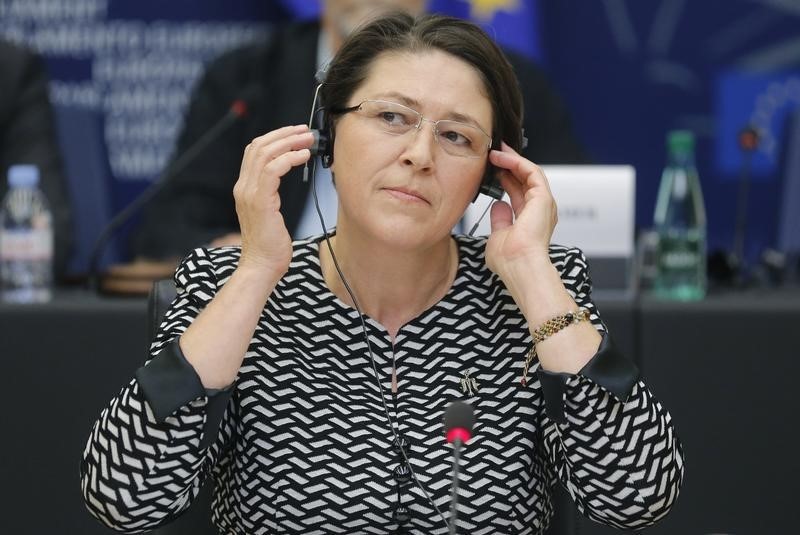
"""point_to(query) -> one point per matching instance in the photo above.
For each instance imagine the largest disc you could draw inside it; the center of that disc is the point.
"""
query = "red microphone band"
(748, 139)
(239, 108)
(458, 433)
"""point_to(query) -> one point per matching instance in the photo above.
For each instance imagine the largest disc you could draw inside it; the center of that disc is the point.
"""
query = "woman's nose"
(421, 144)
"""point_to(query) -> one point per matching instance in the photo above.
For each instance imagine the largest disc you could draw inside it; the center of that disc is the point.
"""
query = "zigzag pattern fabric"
(305, 446)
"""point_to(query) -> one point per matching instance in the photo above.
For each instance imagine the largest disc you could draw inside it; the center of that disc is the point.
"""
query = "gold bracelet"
(549, 328)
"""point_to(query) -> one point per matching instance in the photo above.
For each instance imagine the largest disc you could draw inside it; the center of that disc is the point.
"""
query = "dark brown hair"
(400, 32)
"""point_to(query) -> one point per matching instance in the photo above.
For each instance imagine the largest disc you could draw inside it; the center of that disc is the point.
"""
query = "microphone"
(748, 143)
(459, 418)
(237, 110)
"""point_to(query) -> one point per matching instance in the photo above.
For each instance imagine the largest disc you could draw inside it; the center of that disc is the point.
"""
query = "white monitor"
(596, 212)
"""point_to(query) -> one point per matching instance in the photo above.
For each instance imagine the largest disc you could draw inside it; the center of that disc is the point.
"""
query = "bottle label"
(680, 250)
(680, 259)
(680, 265)
(35, 244)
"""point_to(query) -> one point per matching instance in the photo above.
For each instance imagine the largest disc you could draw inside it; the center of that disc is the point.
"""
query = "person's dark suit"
(27, 136)
(197, 206)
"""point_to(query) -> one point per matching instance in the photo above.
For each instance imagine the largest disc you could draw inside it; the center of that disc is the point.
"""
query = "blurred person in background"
(27, 136)
(197, 208)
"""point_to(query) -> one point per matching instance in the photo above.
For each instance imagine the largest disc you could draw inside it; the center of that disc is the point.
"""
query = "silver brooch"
(468, 384)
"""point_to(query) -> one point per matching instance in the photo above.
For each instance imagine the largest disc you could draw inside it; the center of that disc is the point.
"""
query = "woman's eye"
(456, 138)
(393, 118)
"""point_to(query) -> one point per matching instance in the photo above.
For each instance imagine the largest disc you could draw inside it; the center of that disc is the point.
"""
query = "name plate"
(596, 212)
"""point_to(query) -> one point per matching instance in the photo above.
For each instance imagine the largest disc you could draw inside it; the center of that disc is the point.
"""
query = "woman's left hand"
(523, 236)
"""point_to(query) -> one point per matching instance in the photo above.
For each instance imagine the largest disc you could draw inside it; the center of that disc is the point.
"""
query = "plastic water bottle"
(26, 239)
(680, 223)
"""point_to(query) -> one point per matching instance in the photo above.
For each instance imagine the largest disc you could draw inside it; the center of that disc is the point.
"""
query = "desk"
(728, 370)
(723, 367)
(63, 362)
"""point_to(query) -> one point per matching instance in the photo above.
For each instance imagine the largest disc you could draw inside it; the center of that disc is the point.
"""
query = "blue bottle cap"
(23, 176)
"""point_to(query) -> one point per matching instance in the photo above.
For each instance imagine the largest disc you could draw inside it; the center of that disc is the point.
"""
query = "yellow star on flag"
(486, 9)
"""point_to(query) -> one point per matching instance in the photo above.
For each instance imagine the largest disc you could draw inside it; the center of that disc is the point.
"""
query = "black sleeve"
(608, 368)
(27, 135)
(546, 120)
(169, 382)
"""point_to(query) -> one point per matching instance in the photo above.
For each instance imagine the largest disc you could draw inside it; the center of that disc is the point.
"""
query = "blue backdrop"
(629, 71)
(632, 70)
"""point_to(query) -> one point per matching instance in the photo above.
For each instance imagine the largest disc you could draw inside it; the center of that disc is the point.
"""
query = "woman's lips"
(406, 194)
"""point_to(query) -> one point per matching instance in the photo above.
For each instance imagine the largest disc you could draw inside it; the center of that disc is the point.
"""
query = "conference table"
(726, 367)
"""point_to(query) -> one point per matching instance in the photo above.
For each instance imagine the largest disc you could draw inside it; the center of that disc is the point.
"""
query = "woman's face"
(406, 189)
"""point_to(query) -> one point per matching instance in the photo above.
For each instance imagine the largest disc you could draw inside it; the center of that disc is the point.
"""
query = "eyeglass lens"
(455, 137)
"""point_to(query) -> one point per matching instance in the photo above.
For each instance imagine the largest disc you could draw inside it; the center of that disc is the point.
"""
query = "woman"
(323, 432)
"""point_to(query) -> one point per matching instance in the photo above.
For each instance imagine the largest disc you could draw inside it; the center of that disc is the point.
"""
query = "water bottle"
(680, 224)
(26, 239)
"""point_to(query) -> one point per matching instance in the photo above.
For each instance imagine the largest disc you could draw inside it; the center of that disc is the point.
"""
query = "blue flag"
(301, 9)
(514, 24)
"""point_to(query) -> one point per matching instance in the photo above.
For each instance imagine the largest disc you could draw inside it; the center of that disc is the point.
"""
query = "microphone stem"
(478, 222)
(741, 212)
(150, 191)
(454, 496)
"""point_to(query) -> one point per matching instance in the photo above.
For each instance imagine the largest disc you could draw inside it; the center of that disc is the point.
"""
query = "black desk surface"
(64, 361)
(728, 371)
(725, 368)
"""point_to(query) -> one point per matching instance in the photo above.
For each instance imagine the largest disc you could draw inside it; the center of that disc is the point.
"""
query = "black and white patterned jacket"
(304, 445)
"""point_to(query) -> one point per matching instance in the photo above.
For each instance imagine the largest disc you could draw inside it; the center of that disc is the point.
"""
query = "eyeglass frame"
(418, 125)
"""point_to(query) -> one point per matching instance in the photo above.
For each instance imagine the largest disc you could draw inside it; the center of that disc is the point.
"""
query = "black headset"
(323, 147)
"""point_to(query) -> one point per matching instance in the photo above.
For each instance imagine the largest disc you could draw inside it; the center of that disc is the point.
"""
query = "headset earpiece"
(323, 141)
(322, 147)
(490, 185)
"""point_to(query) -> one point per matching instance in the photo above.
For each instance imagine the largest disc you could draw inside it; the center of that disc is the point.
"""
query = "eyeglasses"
(402, 475)
(456, 138)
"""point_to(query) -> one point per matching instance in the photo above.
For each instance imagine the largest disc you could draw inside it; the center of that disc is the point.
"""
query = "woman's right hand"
(217, 340)
(266, 243)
